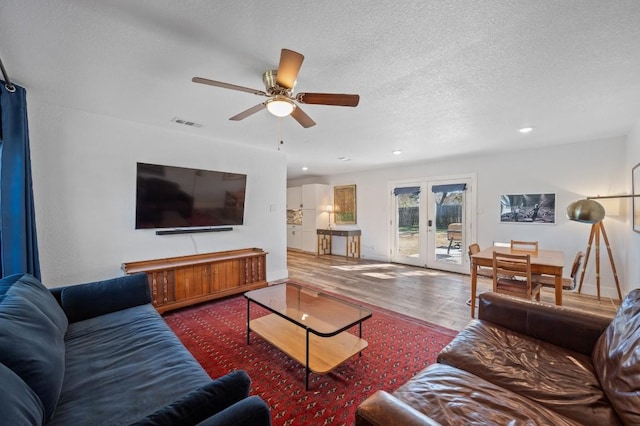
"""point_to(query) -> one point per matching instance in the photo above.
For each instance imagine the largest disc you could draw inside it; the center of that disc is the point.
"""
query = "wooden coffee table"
(309, 326)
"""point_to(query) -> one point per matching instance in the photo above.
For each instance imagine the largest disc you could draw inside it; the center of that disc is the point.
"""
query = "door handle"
(429, 223)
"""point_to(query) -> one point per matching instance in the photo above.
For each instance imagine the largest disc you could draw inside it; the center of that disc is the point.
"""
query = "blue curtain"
(18, 241)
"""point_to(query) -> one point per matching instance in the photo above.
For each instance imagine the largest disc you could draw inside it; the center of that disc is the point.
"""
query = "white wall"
(632, 271)
(84, 172)
(571, 171)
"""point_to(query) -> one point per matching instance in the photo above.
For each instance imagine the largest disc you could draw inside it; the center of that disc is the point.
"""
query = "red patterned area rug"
(399, 347)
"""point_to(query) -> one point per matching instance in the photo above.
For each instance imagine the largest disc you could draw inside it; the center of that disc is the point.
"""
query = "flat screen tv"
(179, 197)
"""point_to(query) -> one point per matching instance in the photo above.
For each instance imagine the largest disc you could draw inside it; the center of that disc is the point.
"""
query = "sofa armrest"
(251, 411)
(566, 327)
(204, 402)
(382, 409)
(84, 301)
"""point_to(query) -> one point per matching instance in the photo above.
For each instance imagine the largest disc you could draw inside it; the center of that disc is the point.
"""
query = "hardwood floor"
(430, 295)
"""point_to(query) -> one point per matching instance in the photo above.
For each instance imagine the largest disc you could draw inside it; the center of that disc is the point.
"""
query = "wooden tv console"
(177, 282)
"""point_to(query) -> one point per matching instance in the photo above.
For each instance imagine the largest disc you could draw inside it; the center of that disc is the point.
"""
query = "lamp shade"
(586, 211)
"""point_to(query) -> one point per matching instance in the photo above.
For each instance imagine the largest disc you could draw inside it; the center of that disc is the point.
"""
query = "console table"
(352, 245)
(177, 282)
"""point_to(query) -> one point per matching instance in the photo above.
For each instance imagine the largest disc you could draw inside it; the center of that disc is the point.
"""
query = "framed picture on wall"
(635, 190)
(344, 204)
(528, 208)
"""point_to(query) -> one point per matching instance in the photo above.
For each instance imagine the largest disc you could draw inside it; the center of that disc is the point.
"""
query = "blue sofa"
(99, 354)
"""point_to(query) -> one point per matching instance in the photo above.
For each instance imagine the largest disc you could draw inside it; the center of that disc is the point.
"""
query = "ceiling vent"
(185, 122)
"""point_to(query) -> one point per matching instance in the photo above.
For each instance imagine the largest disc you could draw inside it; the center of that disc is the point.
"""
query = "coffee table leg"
(248, 318)
(360, 326)
(306, 364)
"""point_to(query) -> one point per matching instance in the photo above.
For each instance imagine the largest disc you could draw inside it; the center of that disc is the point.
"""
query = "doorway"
(431, 222)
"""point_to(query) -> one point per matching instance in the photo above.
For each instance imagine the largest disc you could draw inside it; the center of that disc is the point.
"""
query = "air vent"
(185, 122)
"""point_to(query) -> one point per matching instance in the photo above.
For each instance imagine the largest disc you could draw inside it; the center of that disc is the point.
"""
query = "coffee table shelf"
(325, 353)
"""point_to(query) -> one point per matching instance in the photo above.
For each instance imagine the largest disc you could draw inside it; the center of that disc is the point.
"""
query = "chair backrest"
(523, 247)
(576, 264)
(473, 249)
(511, 268)
(575, 267)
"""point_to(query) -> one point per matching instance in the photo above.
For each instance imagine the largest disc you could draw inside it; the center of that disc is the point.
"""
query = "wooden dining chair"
(524, 247)
(512, 275)
(567, 283)
(482, 271)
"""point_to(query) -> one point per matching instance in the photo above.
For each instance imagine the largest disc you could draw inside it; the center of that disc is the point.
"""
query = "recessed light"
(344, 158)
(305, 168)
(525, 129)
(397, 151)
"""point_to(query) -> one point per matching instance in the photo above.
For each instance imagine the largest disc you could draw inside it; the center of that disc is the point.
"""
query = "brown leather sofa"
(523, 362)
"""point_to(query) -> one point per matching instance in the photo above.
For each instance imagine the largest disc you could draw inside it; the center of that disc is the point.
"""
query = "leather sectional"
(524, 362)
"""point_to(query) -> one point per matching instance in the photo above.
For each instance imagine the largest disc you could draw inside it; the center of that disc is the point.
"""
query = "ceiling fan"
(279, 89)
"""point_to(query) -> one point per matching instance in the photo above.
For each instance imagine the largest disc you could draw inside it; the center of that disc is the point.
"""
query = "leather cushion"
(616, 358)
(562, 380)
(451, 396)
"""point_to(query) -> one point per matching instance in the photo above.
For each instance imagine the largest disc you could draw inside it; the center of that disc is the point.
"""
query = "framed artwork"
(344, 204)
(528, 208)
(635, 191)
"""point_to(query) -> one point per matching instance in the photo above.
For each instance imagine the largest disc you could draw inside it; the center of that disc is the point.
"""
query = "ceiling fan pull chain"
(280, 132)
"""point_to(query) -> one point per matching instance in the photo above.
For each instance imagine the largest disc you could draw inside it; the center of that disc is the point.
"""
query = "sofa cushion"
(122, 367)
(31, 337)
(562, 380)
(20, 405)
(616, 358)
(89, 300)
(451, 396)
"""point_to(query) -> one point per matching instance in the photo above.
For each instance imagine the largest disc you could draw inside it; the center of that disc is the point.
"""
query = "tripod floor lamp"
(590, 211)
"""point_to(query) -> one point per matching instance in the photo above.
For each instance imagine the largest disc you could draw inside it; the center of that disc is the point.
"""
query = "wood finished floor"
(430, 295)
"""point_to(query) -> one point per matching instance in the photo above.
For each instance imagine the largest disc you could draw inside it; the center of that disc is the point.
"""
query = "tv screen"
(178, 197)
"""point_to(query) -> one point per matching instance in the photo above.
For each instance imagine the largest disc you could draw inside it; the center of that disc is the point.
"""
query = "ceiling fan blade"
(328, 99)
(302, 117)
(227, 86)
(290, 63)
(250, 111)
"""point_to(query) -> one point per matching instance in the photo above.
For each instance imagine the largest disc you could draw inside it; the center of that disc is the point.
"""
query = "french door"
(431, 222)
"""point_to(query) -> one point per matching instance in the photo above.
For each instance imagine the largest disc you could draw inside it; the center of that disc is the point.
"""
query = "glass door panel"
(447, 214)
(406, 226)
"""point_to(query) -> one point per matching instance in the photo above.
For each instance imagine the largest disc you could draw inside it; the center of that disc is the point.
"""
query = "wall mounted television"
(179, 197)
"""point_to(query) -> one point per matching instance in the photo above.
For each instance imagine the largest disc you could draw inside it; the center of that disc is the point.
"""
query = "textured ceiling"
(436, 78)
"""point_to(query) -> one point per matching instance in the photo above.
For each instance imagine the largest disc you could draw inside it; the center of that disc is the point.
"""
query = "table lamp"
(592, 212)
(329, 210)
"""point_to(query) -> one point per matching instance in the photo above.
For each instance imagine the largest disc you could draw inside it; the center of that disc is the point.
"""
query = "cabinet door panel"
(184, 282)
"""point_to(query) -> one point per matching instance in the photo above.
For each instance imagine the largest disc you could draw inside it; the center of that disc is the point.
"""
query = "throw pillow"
(31, 341)
(616, 359)
(31, 288)
(20, 405)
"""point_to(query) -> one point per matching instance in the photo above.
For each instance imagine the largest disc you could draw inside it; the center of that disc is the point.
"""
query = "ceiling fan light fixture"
(280, 106)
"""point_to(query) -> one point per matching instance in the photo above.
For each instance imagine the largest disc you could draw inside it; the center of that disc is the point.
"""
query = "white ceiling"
(435, 78)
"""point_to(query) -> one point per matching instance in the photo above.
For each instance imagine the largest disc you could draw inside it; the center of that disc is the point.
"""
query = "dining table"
(544, 262)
